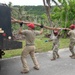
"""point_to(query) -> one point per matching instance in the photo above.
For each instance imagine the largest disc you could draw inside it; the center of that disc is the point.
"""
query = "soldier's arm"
(20, 30)
(41, 31)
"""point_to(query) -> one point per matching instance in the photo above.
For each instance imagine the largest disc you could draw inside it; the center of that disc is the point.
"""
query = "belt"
(29, 44)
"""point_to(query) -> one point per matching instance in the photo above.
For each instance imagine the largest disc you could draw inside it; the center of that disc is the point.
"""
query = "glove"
(41, 26)
(65, 30)
(21, 24)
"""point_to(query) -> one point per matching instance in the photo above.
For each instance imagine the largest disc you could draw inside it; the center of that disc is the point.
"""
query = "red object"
(4, 34)
(55, 32)
(31, 25)
(72, 26)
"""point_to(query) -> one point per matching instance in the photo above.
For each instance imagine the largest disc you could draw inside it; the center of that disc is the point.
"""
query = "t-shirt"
(30, 36)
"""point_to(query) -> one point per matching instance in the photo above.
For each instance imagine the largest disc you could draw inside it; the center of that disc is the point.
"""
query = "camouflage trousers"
(55, 51)
(71, 47)
(28, 50)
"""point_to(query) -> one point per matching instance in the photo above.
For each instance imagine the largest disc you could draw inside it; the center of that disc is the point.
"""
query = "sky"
(23, 2)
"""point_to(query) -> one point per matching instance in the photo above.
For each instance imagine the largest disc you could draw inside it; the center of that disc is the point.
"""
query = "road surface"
(62, 66)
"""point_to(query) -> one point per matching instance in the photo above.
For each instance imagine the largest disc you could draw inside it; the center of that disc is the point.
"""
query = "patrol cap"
(31, 25)
(72, 26)
(55, 32)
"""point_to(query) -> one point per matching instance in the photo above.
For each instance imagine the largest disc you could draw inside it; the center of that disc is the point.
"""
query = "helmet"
(55, 32)
(31, 25)
(72, 26)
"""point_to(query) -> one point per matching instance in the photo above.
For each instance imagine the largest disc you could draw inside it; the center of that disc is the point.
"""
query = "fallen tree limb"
(37, 24)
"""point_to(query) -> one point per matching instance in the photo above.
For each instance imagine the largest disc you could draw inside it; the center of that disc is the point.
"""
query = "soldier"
(55, 44)
(71, 34)
(30, 46)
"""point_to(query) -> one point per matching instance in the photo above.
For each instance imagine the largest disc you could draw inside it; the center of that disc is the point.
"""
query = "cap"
(31, 25)
(72, 26)
(55, 32)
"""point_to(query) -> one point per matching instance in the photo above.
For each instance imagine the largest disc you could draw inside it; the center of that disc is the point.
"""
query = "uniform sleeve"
(59, 32)
(69, 32)
(24, 32)
(37, 32)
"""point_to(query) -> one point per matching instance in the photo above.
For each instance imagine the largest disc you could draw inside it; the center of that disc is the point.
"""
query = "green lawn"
(41, 46)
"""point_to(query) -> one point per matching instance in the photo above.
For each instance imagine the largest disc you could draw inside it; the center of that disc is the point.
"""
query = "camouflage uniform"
(55, 47)
(71, 33)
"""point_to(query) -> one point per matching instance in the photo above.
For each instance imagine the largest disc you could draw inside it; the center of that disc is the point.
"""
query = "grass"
(41, 46)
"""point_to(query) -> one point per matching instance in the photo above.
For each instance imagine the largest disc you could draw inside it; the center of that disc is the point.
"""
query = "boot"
(35, 67)
(53, 59)
(24, 71)
(72, 55)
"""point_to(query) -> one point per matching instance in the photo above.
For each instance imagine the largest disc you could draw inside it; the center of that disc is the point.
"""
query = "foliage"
(68, 10)
(62, 17)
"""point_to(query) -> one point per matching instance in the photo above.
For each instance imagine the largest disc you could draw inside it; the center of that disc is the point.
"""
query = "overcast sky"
(23, 2)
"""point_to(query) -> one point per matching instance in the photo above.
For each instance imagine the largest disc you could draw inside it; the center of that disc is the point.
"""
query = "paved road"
(62, 66)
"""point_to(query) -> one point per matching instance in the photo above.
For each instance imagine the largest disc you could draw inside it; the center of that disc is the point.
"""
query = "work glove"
(41, 26)
(65, 30)
(21, 24)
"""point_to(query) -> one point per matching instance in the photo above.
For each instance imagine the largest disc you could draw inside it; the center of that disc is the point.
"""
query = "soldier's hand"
(41, 26)
(65, 29)
(21, 24)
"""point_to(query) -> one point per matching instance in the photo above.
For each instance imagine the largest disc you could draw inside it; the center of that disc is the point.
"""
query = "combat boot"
(35, 67)
(53, 59)
(24, 71)
(73, 57)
